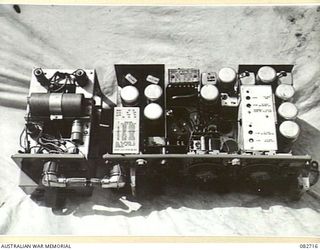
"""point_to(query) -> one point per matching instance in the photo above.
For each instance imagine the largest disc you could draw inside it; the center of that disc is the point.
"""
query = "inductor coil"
(46, 104)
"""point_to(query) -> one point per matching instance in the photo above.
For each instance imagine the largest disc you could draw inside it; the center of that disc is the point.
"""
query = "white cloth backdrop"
(202, 37)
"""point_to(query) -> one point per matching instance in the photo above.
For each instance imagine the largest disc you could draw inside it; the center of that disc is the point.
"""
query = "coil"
(46, 104)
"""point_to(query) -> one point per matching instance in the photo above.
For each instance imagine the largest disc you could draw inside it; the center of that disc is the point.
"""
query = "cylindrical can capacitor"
(288, 111)
(209, 93)
(153, 92)
(77, 132)
(285, 91)
(129, 95)
(227, 75)
(153, 111)
(81, 77)
(66, 104)
(266, 75)
(202, 143)
(289, 132)
(227, 78)
(209, 144)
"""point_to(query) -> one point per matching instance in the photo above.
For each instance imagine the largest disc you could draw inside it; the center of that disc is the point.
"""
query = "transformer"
(212, 127)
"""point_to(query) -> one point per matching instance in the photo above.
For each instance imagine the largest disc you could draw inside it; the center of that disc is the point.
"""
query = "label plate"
(126, 124)
(258, 118)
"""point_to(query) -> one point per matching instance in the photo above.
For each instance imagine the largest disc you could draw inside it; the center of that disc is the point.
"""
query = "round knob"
(267, 74)
(288, 110)
(38, 72)
(153, 92)
(285, 91)
(209, 92)
(227, 75)
(129, 94)
(289, 129)
(153, 111)
(80, 72)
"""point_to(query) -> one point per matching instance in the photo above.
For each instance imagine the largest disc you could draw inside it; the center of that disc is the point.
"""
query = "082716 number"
(308, 246)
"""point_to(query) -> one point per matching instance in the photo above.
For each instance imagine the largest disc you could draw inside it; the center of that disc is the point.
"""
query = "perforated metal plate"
(258, 118)
(126, 123)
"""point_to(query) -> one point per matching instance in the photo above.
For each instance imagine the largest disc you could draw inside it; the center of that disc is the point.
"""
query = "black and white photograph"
(160, 120)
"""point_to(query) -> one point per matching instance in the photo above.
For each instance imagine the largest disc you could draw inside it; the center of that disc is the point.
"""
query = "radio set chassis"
(211, 127)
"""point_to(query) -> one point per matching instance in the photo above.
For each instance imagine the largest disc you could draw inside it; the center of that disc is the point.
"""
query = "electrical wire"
(57, 78)
(20, 139)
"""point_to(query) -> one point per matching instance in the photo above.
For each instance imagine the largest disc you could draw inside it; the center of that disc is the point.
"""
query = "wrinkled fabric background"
(202, 37)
